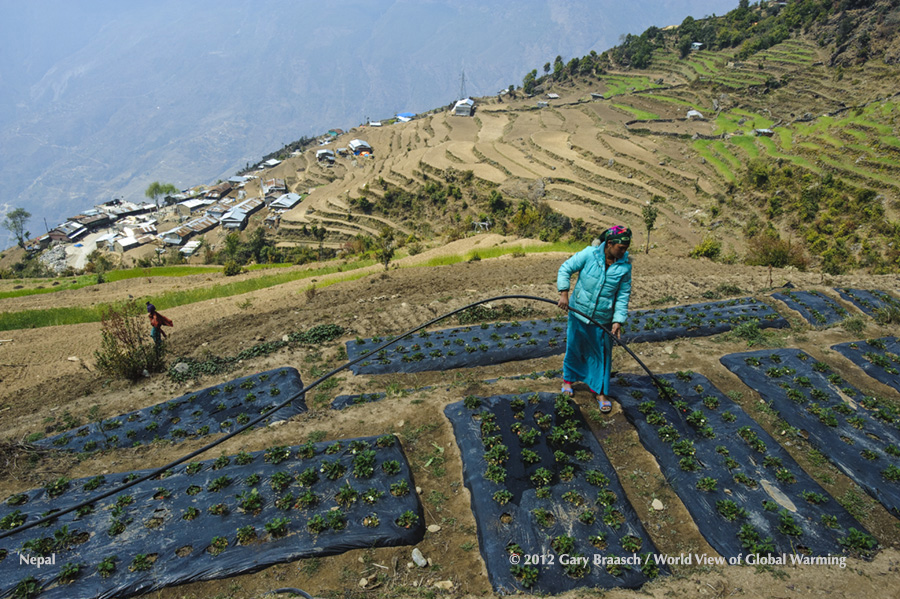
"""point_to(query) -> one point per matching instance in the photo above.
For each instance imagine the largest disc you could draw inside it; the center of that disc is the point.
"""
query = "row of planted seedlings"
(485, 344)
(462, 347)
(818, 309)
(211, 519)
(856, 431)
(217, 409)
(550, 511)
(869, 301)
(879, 358)
(695, 320)
(745, 492)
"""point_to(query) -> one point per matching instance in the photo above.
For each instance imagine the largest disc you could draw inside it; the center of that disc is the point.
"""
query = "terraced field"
(610, 156)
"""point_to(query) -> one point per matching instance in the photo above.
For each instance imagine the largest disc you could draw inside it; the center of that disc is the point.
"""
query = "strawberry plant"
(315, 524)
(371, 521)
(142, 562)
(217, 545)
(107, 566)
(407, 519)
(246, 534)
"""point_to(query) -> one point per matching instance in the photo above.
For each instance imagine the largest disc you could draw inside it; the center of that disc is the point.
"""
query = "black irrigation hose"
(301, 393)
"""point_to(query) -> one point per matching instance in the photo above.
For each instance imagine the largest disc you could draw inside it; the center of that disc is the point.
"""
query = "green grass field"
(704, 148)
(639, 114)
(747, 144)
(29, 319)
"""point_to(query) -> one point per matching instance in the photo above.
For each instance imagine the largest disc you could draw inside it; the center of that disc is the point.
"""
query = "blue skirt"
(588, 355)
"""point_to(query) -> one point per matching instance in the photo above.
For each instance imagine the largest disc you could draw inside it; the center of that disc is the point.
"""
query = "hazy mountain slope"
(101, 98)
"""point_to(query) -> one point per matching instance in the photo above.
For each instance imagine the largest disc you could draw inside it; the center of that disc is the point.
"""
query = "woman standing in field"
(602, 293)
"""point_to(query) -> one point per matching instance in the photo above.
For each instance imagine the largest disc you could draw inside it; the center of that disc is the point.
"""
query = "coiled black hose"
(312, 385)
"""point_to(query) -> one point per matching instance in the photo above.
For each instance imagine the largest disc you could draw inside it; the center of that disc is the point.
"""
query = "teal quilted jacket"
(601, 293)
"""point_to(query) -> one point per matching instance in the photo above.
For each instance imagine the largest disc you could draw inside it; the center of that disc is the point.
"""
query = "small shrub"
(232, 268)
(710, 248)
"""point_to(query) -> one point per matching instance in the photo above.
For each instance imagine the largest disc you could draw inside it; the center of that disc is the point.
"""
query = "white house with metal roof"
(465, 107)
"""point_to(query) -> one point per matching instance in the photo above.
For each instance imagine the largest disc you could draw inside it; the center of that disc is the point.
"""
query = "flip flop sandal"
(605, 405)
(568, 391)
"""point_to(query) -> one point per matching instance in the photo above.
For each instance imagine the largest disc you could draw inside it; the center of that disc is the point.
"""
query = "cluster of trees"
(752, 28)
(845, 225)
(14, 222)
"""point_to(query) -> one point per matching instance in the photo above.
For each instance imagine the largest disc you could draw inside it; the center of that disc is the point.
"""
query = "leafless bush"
(126, 349)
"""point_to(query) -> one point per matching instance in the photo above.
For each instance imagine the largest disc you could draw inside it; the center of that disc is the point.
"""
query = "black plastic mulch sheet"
(698, 320)
(744, 491)
(218, 409)
(463, 347)
(879, 358)
(559, 496)
(868, 300)
(485, 344)
(345, 401)
(176, 550)
(816, 308)
(858, 433)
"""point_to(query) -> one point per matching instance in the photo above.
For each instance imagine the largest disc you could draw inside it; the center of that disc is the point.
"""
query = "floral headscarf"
(617, 234)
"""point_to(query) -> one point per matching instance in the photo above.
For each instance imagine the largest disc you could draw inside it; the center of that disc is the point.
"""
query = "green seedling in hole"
(707, 483)
(573, 497)
(502, 496)
(544, 518)
(306, 500)
(612, 517)
(250, 501)
(107, 566)
(631, 543)
(371, 521)
(141, 563)
(219, 483)
(277, 527)
(399, 489)
(563, 544)
(246, 535)
(315, 525)
(58, 487)
(787, 526)
(784, 475)
(217, 545)
(730, 510)
(753, 543)
(526, 575)
(407, 519)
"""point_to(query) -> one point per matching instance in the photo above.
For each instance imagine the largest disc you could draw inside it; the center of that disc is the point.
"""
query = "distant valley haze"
(100, 98)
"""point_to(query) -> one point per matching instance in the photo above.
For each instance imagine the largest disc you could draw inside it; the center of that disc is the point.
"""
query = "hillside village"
(766, 294)
(132, 231)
